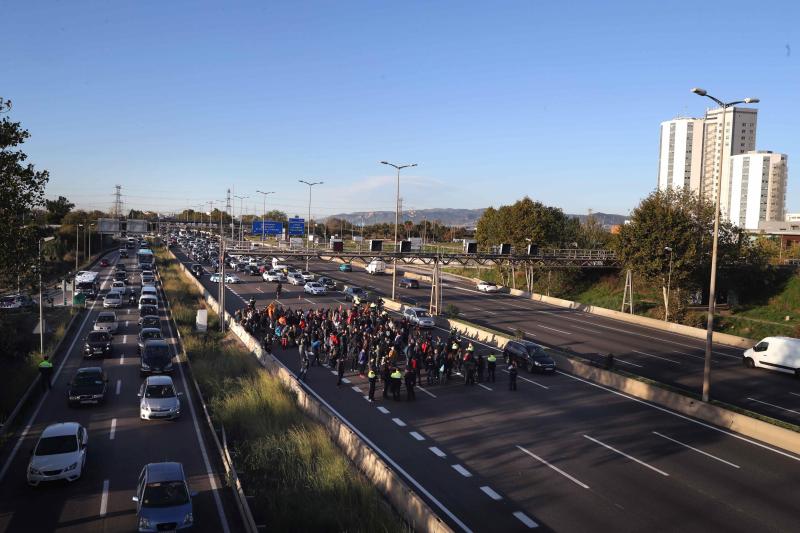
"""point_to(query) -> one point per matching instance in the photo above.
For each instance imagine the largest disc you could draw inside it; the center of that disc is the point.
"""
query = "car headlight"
(97, 396)
(168, 365)
(34, 471)
(73, 466)
(145, 366)
(188, 519)
(537, 363)
(73, 397)
(108, 346)
(144, 523)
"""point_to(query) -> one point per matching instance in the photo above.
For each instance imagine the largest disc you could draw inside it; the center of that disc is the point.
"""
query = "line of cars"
(162, 496)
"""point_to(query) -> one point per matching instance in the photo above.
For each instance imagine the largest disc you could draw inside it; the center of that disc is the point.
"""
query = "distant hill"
(449, 217)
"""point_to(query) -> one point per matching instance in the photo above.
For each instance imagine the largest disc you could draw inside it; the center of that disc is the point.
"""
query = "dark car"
(120, 275)
(88, 386)
(97, 343)
(123, 253)
(151, 321)
(253, 270)
(146, 334)
(350, 294)
(408, 283)
(146, 310)
(120, 267)
(240, 267)
(328, 283)
(529, 356)
(104, 262)
(197, 269)
(156, 357)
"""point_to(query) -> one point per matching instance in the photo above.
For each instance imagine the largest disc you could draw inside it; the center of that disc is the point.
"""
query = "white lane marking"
(426, 391)
(126, 323)
(569, 477)
(124, 339)
(259, 289)
(603, 444)
(529, 380)
(333, 372)
(695, 449)
(119, 386)
(522, 517)
(776, 406)
(122, 359)
(366, 397)
(624, 362)
(796, 394)
(437, 451)
(355, 388)
(492, 494)
(461, 470)
(309, 301)
(345, 381)
(416, 435)
(657, 357)
(484, 386)
(709, 426)
(554, 329)
(104, 499)
(399, 422)
(383, 410)
(113, 429)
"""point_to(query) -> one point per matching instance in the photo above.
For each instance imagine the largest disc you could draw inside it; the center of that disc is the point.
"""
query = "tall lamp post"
(41, 311)
(712, 290)
(396, 220)
(308, 232)
(669, 280)
(264, 212)
(241, 217)
(77, 244)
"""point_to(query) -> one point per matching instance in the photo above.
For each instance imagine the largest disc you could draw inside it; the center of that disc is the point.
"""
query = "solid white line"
(417, 435)
(776, 406)
(345, 381)
(569, 477)
(461, 470)
(484, 386)
(113, 428)
(554, 329)
(522, 517)
(355, 388)
(119, 386)
(399, 422)
(796, 394)
(657, 357)
(626, 455)
(529, 380)
(695, 449)
(383, 410)
(104, 499)
(426, 391)
(437, 451)
(709, 426)
(492, 494)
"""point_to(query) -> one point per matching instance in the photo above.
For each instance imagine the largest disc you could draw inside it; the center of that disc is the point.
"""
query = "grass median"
(298, 477)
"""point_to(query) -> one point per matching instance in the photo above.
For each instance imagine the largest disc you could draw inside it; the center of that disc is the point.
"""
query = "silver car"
(106, 321)
(163, 500)
(112, 300)
(158, 399)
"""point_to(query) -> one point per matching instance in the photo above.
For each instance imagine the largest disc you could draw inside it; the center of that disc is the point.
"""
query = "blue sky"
(179, 100)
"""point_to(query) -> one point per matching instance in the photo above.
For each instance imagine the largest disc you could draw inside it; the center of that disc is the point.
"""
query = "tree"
(57, 209)
(525, 221)
(21, 190)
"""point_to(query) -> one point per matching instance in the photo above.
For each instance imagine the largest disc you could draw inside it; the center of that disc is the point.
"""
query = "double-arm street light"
(264, 212)
(396, 219)
(308, 232)
(713, 283)
(241, 215)
(42, 240)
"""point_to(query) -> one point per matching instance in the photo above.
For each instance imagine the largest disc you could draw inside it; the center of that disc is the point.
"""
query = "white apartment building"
(757, 188)
(680, 155)
(740, 137)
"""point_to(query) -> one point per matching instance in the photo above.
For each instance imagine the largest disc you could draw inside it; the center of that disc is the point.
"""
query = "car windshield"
(159, 351)
(56, 445)
(105, 318)
(159, 391)
(97, 336)
(422, 314)
(88, 378)
(8, 300)
(165, 494)
(151, 335)
(537, 352)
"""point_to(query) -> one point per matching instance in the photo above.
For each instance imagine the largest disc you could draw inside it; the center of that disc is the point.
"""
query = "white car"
(106, 321)
(485, 286)
(229, 278)
(420, 317)
(308, 276)
(158, 399)
(273, 275)
(314, 287)
(119, 286)
(60, 453)
(112, 300)
(295, 279)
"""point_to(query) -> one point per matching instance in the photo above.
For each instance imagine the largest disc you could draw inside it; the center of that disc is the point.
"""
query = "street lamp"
(669, 280)
(41, 311)
(264, 212)
(396, 219)
(241, 218)
(77, 244)
(308, 232)
(713, 283)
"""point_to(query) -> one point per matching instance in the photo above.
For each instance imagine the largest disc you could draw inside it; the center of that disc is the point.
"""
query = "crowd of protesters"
(365, 339)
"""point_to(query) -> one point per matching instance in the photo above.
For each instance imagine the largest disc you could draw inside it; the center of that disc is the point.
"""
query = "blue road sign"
(297, 226)
(271, 227)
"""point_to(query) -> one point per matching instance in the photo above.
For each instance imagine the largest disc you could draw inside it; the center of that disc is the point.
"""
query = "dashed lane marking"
(426, 391)
(553, 329)
(461, 470)
(569, 477)
(104, 499)
(624, 362)
(345, 381)
(492, 494)
(530, 381)
(383, 410)
(484, 386)
(696, 450)
(119, 386)
(603, 444)
(416, 435)
(657, 357)
(522, 517)
(355, 388)
(775, 406)
(437, 451)
(399, 422)
(113, 429)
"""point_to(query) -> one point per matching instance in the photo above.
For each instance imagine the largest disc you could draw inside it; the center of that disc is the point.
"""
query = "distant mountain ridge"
(449, 217)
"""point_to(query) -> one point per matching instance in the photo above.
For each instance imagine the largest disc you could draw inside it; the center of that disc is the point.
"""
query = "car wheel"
(749, 363)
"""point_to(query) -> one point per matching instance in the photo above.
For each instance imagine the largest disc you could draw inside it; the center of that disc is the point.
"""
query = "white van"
(376, 266)
(147, 299)
(150, 291)
(776, 353)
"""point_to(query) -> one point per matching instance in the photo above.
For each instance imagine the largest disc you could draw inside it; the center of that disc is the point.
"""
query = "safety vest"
(396, 375)
(455, 346)
(371, 374)
(492, 358)
(470, 348)
(45, 364)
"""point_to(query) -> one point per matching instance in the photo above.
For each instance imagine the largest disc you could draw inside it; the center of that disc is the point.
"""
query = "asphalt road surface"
(559, 453)
(120, 444)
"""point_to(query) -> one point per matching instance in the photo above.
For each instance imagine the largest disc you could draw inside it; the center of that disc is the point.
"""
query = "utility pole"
(396, 220)
(241, 216)
(264, 213)
(229, 210)
(308, 236)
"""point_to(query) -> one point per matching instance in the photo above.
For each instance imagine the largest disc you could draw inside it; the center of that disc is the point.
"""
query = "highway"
(120, 444)
(559, 454)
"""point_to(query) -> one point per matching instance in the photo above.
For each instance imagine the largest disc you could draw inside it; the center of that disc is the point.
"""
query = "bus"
(145, 258)
(86, 283)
